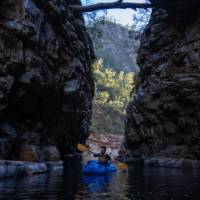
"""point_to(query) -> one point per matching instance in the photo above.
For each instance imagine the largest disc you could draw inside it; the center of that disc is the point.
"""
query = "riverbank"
(17, 168)
(164, 162)
(172, 162)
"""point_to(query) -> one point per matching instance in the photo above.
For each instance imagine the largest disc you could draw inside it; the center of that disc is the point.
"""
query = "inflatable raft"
(95, 167)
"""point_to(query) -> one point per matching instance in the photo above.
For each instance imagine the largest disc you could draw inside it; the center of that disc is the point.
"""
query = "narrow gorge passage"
(47, 84)
(50, 83)
(114, 72)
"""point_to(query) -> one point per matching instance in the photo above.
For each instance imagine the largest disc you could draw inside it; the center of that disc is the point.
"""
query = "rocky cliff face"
(115, 44)
(164, 117)
(46, 86)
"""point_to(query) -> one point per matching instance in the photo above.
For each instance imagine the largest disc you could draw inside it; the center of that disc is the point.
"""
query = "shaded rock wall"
(46, 86)
(164, 117)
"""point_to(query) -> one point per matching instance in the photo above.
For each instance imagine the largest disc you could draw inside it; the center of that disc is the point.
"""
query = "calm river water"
(137, 184)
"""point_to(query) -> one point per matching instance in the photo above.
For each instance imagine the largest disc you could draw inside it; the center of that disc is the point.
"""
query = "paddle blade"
(82, 148)
(122, 166)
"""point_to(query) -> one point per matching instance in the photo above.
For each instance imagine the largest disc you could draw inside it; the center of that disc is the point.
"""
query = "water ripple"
(137, 184)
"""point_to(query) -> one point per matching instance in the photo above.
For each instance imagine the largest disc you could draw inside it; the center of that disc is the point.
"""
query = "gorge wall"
(46, 86)
(164, 117)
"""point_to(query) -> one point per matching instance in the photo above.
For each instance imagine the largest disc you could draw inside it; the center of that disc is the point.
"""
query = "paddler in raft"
(104, 158)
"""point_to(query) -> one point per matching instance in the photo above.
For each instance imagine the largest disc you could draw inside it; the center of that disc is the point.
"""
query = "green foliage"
(112, 88)
(102, 97)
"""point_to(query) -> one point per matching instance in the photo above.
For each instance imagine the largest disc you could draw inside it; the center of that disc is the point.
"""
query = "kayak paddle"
(122, 166)
(83, 148)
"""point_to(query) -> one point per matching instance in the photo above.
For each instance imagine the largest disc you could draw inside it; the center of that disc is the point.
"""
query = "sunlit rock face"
(164, 117)
(46, 86)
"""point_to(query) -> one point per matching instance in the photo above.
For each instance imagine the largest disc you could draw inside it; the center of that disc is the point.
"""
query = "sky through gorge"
(122, 16)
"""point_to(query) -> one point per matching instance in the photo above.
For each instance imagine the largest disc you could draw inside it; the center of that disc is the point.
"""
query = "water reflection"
(137, 184)
(96, 183)
(163, 184)
(94, 187)
(42, 186)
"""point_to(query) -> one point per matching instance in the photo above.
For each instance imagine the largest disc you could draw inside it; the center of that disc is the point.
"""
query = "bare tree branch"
(112, 5)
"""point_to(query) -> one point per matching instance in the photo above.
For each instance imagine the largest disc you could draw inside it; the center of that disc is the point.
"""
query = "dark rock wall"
(164, 117)
(46, 86)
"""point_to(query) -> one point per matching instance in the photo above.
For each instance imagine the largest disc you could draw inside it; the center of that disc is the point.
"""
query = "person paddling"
(104, 158)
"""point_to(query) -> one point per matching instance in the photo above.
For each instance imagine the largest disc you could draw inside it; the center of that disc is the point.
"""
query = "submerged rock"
(10, 168)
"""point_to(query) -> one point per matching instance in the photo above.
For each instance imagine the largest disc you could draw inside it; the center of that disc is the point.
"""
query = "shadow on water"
(41, 186)
(137, 184)
(163, 184)
(80, 186)
(97, 183)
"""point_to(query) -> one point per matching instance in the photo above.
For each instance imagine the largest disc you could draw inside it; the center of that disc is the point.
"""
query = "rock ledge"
(17, 168)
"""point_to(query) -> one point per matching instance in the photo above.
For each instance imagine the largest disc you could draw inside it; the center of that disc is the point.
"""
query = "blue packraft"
(95, 167)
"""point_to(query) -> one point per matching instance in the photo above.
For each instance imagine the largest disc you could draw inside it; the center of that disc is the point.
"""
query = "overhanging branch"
(112, 5)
